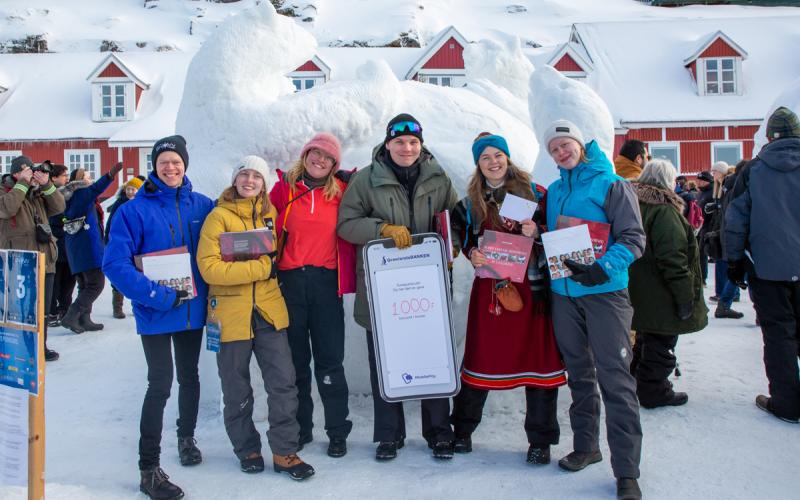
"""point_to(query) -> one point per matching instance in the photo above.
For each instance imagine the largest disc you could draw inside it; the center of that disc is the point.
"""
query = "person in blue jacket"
(592, 312)
(165, 214)
(84, 242)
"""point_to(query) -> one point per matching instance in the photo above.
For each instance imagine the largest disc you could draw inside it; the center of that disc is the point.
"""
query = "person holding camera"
(27, 199)
(84, 238)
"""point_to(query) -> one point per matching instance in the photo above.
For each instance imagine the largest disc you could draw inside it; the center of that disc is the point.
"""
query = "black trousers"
(90, 286)
(316, 326)
(63, 286)
(541, 421)
(158, 353)
(389, 419)
(777, 304)
(654, 360)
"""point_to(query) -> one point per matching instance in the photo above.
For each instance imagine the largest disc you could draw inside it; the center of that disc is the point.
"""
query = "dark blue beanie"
(494, 141)
(174, 143)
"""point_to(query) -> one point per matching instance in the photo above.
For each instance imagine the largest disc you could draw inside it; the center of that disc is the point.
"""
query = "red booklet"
(246, 245)
(441, 222)
(507, 255)
(598, 232)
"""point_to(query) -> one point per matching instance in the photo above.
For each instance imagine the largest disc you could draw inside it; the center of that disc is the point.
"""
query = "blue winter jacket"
(158, 218)
(592, 191)
(85, 248)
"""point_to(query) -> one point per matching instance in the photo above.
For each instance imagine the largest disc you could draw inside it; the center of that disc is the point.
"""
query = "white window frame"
(143, 161)
(94, 170)
(128, 95)
(6, 157)
(714, 145)
(667, 144)
(702, 76)
(434, 77)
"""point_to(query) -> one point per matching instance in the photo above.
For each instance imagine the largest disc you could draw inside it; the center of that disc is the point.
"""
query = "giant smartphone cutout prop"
(410, 310)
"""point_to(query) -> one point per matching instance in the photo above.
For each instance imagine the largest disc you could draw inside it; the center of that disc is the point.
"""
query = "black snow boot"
(463, 444)
(579, 460)
(88, 324)
(188, 451)
(50, 355)
(539, 455)
(337, 447)
(252, 464)
(117, 300)
(387, 450)
(156, 485)
(72, 319)
(443, 450)
(628, 489)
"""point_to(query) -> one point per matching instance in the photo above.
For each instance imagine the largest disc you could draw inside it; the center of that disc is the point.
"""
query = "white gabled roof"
(433, 48)
(323, 67)
(576, 52)
(640, 70)
(710, 40)
(117, 61)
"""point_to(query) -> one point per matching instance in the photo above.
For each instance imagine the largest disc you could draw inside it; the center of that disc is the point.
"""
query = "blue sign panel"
(21, 287)
(18, 359)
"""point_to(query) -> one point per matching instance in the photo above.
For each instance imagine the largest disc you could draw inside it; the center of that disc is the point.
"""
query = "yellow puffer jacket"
(235, 288)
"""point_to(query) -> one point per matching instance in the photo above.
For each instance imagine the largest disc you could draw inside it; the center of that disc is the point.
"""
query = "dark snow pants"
(90, 286)
(316, 326)
(777, 304)
(541, 422)
(656, 360)
(63, 286)
(271, 349)
(158, 354)
(593, 334)
(389, 419)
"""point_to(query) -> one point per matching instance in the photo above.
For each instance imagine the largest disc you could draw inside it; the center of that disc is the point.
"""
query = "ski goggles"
(403, 127)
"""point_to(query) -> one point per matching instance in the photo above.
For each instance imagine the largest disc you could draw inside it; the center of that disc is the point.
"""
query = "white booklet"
(172, 268)
(517, 208)
(571, 243)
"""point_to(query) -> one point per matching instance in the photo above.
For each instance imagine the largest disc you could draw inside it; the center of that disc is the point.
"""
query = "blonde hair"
(231, 195)
(331, 189)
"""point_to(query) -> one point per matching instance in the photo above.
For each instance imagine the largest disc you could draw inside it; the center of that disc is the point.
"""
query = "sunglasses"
(401, 127)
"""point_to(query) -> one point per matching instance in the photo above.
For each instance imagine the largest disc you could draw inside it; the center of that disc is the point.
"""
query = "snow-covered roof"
(50, 97)
(719, 35)
(640, 70)
(344, 62)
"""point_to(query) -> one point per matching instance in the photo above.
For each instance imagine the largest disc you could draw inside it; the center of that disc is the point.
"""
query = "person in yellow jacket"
(248, 289)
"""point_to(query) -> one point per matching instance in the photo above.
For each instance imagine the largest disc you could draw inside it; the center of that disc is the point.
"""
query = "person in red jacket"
(315, 268)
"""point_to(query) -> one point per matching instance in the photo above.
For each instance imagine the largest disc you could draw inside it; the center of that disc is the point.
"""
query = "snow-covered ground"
(718, 446)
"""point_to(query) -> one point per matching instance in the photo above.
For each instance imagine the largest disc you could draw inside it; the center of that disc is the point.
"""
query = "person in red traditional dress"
(506, 349)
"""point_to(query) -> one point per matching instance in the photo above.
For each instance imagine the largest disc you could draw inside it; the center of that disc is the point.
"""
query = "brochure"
(441, 221)
(507, 254)
(246, 245)
(571, 243)
(171, 267)
(598, 232)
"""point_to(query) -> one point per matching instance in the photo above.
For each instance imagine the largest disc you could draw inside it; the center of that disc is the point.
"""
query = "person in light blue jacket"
(165, 214)
(591, 309)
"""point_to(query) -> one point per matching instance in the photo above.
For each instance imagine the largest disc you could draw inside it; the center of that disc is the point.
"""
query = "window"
(145, 161)
(433, 80)
(442, 80)
(729, 152)
(113, 101)
(720, 76)
(446, 81)
(6, 157)
(87, 159)
(666, 151)
(306, 83)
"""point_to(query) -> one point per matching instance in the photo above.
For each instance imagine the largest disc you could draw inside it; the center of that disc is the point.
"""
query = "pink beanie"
(325, 142)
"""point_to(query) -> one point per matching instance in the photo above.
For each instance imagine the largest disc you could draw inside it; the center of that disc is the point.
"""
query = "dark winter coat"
(121, 198)
(375, 196)
(158, 218)
(85, 248)
(764, 215)
(668, 273)
(21, 208)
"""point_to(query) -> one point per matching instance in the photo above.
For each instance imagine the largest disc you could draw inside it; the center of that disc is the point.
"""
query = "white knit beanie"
(562, 128)
(720, 167)
(251, 163)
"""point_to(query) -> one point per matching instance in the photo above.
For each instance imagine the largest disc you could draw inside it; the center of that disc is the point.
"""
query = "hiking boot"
(188, 451)
(539, 455)
(579, 460)
(765, 403)
(337, 447)
(72, 319)
(714, 298)
(676, 399)
(463, 444)
(304, 441)
(292, 465)
(628, 489)
(387, 450)
(722, 312)
(155, 484)
(253, 464)
(88, 324)
(442, 450)
(116, 302)
(50, 355)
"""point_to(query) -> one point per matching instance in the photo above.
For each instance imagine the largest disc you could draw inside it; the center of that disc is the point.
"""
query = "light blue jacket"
(592, 191)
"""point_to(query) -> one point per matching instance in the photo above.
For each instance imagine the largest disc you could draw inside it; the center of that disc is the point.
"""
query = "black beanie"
(175, 143)
(20, 162)
(396, 128)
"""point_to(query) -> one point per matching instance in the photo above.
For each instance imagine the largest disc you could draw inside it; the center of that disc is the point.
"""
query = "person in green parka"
(665, 286)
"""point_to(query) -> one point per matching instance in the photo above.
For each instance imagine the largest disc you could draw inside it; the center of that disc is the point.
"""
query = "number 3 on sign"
(20, 287)
(412, 306)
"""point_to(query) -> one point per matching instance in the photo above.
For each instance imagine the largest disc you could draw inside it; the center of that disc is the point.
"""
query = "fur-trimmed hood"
(69, 188)
(654, 195)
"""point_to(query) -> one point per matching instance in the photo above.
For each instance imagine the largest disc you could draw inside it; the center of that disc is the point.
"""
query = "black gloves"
(684, 311)
(736, 273)
(181, 296)
(113, 171)
(590, 275)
